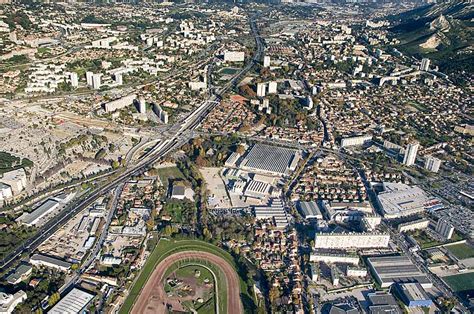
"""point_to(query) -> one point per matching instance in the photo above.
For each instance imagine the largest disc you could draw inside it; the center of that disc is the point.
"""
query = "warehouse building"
(388, 270)
(275, 210)
(39, 260)
(271, 160)
(31, 219)
(413, 295)
(398, 200)
(76, 301)
(257, 189)
(310, 210)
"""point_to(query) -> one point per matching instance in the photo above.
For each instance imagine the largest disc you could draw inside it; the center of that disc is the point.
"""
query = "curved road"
(152, 297)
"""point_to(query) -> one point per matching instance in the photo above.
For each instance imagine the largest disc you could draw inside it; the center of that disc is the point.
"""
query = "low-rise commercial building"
(413, 295)
(48, 261)
(414, 225)
(76, 301)
(388, 270)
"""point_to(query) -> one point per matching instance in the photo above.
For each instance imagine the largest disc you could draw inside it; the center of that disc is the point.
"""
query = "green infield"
(461, 282)
(166, 247)
(461, 250)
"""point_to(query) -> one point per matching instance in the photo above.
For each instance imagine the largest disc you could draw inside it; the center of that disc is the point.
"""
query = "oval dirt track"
(152, 298)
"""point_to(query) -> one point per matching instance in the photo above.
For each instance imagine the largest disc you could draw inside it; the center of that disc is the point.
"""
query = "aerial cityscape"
(271, 156)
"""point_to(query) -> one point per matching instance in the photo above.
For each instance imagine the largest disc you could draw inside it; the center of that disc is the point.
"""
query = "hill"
(443, 32)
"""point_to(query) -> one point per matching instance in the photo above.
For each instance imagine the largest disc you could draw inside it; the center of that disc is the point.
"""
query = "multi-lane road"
(179, 135)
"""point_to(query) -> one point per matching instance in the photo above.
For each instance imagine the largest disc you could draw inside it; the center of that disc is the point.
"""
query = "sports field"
(461, 250)
(166, 248)
(461, 282)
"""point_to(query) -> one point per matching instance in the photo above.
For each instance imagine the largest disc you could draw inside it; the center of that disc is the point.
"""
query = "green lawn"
(167, 247)
(169, 173)
(460, 282)
(461, 250)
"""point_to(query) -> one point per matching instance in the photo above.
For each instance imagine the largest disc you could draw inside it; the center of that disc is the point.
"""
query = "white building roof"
(74, 302)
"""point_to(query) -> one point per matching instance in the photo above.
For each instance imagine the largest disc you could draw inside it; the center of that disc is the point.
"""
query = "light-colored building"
(40, 260)
(445, 229)
(432, 164)
(410, 154)
(163, 115)
(266, 61)
(8, 302)
(356, 271)
(414, 225)
(76, 301)
(398, 200)
(356, 140)
(272, 87)
(334, 257)
(310, 210)
(425, 64)
(97, 81)
(74, 79)
(5, 191)
(16, 179)
(119, 103)
(141, 105)
(388, 270)
(89, 78)
(351, 240)
(32, 219)
(261, 89)
(234, 56)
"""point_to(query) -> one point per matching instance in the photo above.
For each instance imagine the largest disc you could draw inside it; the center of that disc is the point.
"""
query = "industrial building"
(257, 189)
(275, 210)
(383, 303)
(398, 200)
(310, 210)
(388, 270)
(76, 301)
(5, 191)
(31, 219)
(351, 240)
(413, 295)
(40, 260)
(270, 160)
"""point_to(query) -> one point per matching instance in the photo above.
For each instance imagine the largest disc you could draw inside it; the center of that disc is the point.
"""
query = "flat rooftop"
(397, 269)
(266, 158)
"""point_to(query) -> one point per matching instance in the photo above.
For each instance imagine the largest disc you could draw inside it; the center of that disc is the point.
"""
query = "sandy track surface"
(152, 298)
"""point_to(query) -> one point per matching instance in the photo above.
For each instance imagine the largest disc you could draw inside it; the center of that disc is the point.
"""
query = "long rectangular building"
(388, 270)
(75, 301)
(351, 240)
(270, 160)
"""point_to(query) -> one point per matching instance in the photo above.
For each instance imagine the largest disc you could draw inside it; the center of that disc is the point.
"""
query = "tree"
(240, 149)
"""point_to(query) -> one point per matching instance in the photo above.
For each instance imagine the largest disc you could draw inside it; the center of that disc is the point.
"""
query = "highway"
(180, 136)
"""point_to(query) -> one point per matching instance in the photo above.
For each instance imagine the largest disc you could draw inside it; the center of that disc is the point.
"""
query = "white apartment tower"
(261, 89)
(432, 164)
(96, 81)
(89, 78)
(410, 154)
(272, 87)
(266, 61)
(141, 105)
(425, 64)
(445, 229)
(74, 79)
